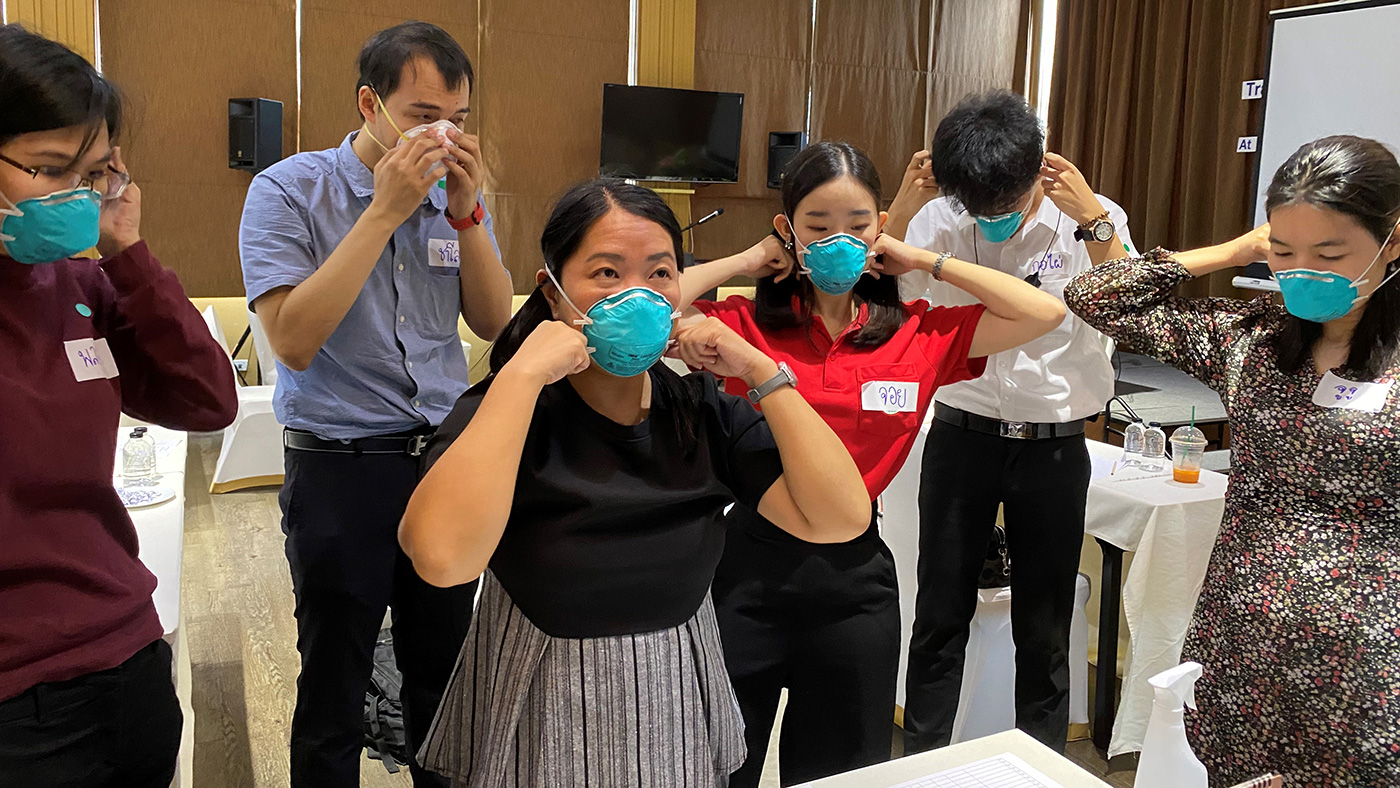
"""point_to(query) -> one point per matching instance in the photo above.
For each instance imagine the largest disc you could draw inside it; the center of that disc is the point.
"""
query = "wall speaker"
(254, 133)
(782, 146)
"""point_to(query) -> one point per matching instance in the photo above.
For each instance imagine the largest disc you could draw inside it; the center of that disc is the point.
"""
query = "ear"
(551, 295)
(1392, 249)
(784, 229)
(884, 217)
(365, 100)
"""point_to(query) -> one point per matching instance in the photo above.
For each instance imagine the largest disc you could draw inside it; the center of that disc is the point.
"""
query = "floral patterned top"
(1298, 624)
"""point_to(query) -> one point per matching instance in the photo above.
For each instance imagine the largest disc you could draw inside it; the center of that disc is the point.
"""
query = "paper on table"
(1001, 771)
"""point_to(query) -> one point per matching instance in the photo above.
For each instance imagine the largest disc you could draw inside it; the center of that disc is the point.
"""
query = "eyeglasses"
(110, 184)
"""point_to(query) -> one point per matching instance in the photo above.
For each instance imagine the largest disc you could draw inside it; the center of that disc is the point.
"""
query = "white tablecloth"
(161, 532)
(1170, 528)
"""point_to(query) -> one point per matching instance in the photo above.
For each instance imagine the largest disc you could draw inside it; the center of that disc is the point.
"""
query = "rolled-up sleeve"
(274, 239)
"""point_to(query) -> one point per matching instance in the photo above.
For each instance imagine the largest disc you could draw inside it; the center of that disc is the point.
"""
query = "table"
(1171, 529)
(1036, 755)
(161, 533)
(1164, 394)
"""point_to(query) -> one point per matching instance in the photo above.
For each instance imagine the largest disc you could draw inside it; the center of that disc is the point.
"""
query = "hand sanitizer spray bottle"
(1167, 760)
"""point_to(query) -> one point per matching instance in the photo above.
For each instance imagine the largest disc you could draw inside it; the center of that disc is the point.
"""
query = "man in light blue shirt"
(357, 261)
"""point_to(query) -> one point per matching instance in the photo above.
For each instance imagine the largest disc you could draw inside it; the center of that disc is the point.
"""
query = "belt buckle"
(1016, 429)
(417, 445)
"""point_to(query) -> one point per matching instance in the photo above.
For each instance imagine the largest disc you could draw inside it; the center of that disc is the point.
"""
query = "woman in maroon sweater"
(85, 691)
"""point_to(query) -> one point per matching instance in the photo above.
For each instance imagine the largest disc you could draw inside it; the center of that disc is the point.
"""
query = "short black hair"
(44, 85)
(987, 152)
(385, 53)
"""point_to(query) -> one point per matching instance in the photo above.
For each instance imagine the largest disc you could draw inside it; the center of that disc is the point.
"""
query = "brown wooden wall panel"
(540, 109)
(332, 34)
(69, 22)
(179, 63)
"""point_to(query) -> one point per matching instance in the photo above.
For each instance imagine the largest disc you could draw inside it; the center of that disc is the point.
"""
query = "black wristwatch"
(1100, 229)
(785, 377)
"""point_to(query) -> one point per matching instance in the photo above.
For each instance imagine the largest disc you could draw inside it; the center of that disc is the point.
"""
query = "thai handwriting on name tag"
(91, 359)
(443, 253)
(1337, 392)
(1052, 263)
(889, 396)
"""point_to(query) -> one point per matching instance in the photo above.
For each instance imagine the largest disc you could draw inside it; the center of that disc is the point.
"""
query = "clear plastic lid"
(1188, 434)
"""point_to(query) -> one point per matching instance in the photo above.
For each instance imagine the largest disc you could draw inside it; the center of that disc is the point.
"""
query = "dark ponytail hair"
(816, 166)
(1359, 178)
(573, 216)
(45, 85)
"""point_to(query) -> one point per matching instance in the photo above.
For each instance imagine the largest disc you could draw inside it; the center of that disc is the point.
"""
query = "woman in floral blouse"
(1298, 624)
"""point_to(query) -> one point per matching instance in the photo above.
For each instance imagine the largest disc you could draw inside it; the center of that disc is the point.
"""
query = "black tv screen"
(670, 134)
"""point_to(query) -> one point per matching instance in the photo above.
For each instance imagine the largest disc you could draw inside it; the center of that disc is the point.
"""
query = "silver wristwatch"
(785, 377)
(1099, 229)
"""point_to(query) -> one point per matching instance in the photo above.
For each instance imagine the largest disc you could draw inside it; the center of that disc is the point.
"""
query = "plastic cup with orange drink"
(1188, 449)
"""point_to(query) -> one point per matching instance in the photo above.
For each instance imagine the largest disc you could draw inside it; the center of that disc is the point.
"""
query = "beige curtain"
(869, 79)
(881, 75)
(1146, 101)
(760, 49)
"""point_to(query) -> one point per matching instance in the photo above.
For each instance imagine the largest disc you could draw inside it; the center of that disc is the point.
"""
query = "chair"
(267, 360)
(987, 704)
(251, 455)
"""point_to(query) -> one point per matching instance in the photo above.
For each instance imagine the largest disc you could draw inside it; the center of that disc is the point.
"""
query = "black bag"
(996, 569)
(384, 731)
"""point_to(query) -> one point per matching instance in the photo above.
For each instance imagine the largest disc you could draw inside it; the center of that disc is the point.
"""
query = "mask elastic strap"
(12, 210)
(1379, 252)
(376, 139)
(801, 251)
(387, 117)
(586, 321)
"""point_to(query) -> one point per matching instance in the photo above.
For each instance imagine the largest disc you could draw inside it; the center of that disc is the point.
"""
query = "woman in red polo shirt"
(823, 620)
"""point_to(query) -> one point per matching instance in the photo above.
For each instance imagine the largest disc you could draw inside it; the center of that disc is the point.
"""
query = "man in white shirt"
(1013, 437)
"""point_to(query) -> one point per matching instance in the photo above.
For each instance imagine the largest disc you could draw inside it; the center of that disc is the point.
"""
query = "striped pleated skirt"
(526, 709)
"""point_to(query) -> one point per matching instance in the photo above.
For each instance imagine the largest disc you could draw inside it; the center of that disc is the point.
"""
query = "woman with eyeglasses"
(86, 696)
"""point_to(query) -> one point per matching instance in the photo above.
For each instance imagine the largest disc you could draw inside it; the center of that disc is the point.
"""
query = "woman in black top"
(591, 499)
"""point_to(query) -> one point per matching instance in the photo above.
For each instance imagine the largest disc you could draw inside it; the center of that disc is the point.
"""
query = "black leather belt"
(411, 444)
(1021, 430)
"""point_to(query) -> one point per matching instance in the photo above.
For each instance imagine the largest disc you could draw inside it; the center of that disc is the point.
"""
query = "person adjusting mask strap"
(627, 331)
(998, 229)
(1321, 296)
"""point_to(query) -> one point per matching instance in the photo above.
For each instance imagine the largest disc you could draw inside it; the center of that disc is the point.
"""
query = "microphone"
(712, 215)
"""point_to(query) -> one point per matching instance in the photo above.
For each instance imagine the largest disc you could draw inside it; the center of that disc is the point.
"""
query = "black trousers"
(341, 514)
(822, 621)
(1042, 486)
(117, 728)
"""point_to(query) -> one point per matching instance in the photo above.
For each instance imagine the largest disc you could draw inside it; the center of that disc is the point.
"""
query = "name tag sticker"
(1053, 264)
(443, 253)
(1338, 392)
(889, 396)
(91, 359)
